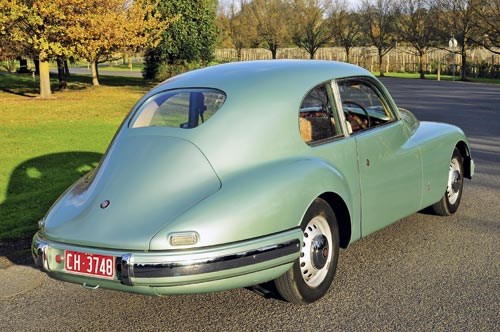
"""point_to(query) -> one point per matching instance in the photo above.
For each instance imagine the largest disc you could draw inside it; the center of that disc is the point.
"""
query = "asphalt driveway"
(423, 273)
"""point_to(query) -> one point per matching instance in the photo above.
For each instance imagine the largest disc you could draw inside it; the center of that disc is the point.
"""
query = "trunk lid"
(147, 179)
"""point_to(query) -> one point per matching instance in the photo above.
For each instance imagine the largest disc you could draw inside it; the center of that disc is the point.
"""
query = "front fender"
(257, 202)
(437, 142)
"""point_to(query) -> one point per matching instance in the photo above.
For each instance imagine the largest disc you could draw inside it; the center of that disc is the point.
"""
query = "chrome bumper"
(167, 268)
(170, 268)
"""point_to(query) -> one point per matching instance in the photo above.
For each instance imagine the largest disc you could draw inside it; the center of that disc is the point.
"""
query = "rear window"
(182, 108)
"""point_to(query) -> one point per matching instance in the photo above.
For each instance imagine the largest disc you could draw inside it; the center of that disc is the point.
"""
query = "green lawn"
(48, 144)
(443, 77)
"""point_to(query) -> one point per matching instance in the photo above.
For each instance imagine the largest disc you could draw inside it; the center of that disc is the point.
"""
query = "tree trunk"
(238, 53)
(66, 68)
(311, 55)
(421, 65)
(347, 54)
(274, 50)
(36, 60)
(61, 74)
(463, 70)
(45, 91)
(95, 74)
(380, 60)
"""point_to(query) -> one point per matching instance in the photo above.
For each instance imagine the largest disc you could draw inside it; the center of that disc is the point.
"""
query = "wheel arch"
(465, 152)
(341, 211)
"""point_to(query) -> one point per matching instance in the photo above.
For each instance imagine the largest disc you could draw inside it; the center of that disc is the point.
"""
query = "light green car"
(243, 173)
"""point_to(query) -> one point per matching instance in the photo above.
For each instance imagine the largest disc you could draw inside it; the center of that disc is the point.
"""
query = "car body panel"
(232, 214)
(437, 142)
(134, 178)
(386, 198)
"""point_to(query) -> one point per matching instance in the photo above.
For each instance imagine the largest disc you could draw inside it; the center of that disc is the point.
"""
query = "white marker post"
(453, 45)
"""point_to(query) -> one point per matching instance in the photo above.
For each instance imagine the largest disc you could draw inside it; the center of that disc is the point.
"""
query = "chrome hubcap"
(316, 254)
(454, 181)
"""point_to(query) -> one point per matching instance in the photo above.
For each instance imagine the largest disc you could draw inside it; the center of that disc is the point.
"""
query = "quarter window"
(183, 108)
(317, 120)
(362, 105)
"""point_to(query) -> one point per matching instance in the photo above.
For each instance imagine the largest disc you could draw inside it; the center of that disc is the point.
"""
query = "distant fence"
(480, 62)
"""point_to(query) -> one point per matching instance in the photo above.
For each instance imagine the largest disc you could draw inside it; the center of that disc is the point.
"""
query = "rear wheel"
(312, 273)
(451, 200)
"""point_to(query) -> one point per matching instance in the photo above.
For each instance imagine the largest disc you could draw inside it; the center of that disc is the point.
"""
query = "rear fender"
(257, 202)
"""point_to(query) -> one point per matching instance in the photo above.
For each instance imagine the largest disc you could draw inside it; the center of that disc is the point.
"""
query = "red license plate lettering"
(89, 264)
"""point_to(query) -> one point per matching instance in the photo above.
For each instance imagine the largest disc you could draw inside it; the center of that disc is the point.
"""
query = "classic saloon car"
(243, 173)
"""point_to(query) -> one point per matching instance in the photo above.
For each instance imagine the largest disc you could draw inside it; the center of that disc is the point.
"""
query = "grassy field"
(48, 144)
(443, 77)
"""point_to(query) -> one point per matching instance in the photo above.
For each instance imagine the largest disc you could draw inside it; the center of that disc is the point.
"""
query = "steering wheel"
(360, 107)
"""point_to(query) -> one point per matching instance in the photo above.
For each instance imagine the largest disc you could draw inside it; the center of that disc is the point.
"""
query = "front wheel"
(312, 273)
(451, 199)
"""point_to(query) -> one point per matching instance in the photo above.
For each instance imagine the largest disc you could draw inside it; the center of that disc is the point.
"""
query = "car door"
(321, 127)
(390, 171)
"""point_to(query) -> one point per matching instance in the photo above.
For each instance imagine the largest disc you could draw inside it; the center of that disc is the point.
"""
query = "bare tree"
(345, 25)
(488, 22)
(458, 20)
(416, 25)
(272, 20)
(310, 30)
(243, 28)
(380, 26)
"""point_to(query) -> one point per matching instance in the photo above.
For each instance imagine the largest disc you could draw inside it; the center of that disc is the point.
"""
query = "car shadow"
(33, 186)
(267, 290)
(428, 211)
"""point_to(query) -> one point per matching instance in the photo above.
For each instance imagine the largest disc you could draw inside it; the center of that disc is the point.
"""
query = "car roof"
(300, 75)
(258, 121)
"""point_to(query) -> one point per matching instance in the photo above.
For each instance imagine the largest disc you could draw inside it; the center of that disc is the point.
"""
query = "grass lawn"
(443, 77)
(48, 144)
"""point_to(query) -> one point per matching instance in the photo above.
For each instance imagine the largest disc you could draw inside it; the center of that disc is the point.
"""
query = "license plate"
(90, 264)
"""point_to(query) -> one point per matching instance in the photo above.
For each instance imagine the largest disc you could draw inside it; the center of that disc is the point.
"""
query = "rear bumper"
(227, 266)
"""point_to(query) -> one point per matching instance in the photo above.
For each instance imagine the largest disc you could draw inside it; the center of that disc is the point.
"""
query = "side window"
(362, 105)
(317, 120)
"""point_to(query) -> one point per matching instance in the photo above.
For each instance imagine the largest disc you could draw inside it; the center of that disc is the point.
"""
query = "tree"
(488, 22)
(243, 31)
(40, 25)
(224, 39)
(458, 20)
(379, 26)
(310, 30)
(100, 28)
(272, 19)
(7, 48)
(89, 28)
(190, 38)
(416, 25)
(345, 25)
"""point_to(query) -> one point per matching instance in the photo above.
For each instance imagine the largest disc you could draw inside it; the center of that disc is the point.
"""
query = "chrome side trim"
(193, 267)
